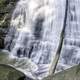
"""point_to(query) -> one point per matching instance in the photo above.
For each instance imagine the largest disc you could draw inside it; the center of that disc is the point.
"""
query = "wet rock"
(69, 74)
(10, 73)
(6, 9)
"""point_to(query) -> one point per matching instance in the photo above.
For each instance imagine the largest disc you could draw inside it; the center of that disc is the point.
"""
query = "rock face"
(6, 9)
(9, 73)
(14, 68)
(69, 74)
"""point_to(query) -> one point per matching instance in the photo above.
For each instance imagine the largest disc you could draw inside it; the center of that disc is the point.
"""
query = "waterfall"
(70, 54)
(35, 31)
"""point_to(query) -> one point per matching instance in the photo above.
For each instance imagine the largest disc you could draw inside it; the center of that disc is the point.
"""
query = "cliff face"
(6, 9)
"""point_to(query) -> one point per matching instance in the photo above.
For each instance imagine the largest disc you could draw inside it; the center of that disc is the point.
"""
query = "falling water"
(70, 54)
(35, 31)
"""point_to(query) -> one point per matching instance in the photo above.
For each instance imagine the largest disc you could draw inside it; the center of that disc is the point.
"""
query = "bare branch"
(57, 56)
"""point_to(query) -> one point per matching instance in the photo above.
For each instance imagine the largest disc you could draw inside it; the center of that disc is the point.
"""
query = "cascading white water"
(35, 31)
(70, 54)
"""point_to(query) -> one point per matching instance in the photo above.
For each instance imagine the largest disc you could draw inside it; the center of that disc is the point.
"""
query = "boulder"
(9, 73)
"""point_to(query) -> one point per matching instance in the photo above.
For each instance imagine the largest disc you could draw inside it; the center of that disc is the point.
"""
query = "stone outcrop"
(10, 73)
(69, 74)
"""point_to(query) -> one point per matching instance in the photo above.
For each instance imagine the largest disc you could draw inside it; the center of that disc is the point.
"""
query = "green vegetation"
(6, 8)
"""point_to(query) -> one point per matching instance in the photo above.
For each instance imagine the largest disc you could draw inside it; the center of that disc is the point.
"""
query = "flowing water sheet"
(35, 31)
(70, 54)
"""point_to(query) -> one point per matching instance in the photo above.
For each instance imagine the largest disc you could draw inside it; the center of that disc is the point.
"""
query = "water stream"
(35, 31)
